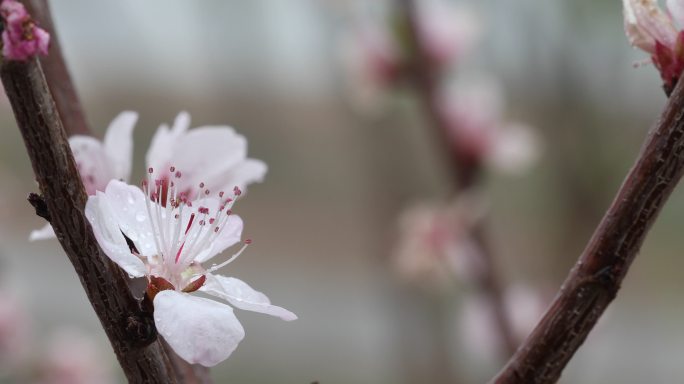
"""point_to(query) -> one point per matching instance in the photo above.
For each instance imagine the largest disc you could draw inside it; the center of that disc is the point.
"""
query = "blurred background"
(325, 221)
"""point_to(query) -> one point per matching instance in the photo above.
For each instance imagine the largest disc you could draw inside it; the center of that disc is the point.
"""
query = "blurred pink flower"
(375, 55)
(446, 30)
(657, 33)
(172, 235)
(477, 328)
(434, 242)
(72, 358)
(21, 37)
(479, 134)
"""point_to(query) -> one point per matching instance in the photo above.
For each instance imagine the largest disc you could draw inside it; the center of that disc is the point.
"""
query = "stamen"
(232, 258)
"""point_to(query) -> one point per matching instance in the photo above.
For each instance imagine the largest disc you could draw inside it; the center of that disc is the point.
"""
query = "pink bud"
(21, 38)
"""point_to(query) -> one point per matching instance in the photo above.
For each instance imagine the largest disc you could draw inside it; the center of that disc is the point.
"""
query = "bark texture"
(130, 330)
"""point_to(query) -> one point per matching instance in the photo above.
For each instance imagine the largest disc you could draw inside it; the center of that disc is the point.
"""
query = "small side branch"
(130, 330)
(57, 74)
(595, 280)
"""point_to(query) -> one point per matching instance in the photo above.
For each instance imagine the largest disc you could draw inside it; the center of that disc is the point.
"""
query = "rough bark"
(596, 277)
(130, 330)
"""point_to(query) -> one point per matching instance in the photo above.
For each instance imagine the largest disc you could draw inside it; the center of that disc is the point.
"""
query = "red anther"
(201, 222)
(211, 221)
(176, 216)
(221, 194)
(144, 183)
(229, 200)
(192, 217)
(157, 182)
(172, 169)
(188, 203)
(229, 212)
(206, 192)
(216, 230)
(237, 191)
(150, 170)
(248, 241)
(221, 208)
(204, 210)
(201, 185)
(178, 174)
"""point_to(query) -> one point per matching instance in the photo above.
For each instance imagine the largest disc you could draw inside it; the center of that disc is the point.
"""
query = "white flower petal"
(241, 295)
(241, 175)
(101, 216)
(130, 213)
(650, 21)
(161, 149)
(201, 331)
(43, 234)
(118, 144)
(93, 164)
(214, 155)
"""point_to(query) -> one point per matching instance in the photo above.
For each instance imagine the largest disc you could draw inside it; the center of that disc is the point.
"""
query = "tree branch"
(75, 123)
(130, 330)
(594, 281)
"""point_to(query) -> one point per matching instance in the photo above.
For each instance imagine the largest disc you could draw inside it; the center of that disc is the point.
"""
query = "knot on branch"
(39, 204)
(140, 329)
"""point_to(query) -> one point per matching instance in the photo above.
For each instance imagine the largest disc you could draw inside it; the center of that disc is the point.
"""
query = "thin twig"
(130, 330)
(465, 171)
(594, 281)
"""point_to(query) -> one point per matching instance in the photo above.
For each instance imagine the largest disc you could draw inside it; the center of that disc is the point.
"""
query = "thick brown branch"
(466, 169)
(130, 330)
(594, 281)
(74, 121)
(57, 74)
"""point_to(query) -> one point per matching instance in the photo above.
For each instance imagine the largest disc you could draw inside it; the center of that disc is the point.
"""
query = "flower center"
(184, 228)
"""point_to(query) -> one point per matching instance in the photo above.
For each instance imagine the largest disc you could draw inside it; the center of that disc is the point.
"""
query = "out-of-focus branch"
(594, 281)
(425, 81)
(130, 330)
(57, 74)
